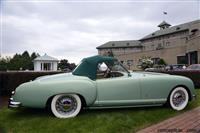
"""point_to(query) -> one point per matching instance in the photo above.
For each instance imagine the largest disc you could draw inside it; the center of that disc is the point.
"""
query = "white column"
(55, 66)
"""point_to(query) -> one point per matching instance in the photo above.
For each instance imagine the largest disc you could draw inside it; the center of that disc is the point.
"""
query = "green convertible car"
(102, 82)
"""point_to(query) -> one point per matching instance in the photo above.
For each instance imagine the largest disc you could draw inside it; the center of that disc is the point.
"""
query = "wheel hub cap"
(66, 105)
(179, 98)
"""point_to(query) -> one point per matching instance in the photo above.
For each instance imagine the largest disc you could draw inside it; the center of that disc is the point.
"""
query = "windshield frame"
(119, 63)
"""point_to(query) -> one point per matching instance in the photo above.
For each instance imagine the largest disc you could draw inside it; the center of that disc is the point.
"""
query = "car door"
(154, 88)
(118, 91)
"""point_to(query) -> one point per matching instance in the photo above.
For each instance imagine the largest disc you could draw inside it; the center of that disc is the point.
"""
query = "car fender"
(40, 92)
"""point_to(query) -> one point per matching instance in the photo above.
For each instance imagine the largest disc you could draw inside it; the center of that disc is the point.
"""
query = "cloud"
(73, 30)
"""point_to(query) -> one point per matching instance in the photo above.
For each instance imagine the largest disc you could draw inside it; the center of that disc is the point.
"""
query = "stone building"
(45, 63)
(178, 44)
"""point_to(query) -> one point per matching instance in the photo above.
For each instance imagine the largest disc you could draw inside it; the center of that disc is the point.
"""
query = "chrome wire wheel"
(66, 105)
(179, 98)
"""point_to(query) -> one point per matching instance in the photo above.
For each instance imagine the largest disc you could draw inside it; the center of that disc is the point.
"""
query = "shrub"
(145, 62)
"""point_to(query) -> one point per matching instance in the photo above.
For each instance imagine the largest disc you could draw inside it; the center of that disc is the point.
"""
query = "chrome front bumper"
(13, 104)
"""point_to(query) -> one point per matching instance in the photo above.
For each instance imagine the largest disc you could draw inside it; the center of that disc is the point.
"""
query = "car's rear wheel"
(66, 105)
(179, 98)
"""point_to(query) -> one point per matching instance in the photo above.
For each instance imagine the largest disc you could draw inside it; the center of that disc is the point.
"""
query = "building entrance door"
(192, 57)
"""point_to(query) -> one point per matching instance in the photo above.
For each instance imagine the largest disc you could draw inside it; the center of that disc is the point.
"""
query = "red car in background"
(195, 67)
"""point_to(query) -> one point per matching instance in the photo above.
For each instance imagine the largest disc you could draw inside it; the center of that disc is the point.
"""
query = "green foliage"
(4, 63)
(128, 120)
(145, 62)
(65, 65)
(18, 62)
(162, 62)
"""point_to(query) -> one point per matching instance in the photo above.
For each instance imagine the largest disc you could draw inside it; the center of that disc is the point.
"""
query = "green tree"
(4, 63)
(65, 65)
(34, 55)
(28, 64)
(162, 62)
(18, 62)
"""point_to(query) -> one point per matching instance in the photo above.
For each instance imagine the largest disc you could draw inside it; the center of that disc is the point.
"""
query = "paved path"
(188, 122)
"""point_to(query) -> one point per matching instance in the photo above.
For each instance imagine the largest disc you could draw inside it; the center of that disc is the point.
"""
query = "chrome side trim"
(109, 107)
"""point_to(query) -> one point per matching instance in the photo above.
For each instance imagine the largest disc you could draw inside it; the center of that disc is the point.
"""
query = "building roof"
(120, 44)
(171, 30)
(45, 57)
(163, 24)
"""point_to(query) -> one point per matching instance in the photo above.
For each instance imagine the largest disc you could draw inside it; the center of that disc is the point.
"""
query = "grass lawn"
(88, 121)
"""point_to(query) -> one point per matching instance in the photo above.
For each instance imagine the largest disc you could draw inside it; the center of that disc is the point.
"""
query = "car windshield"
(117, 66)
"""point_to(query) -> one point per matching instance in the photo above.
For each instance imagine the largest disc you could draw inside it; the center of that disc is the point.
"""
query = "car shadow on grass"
(30, 112)
(123, 110)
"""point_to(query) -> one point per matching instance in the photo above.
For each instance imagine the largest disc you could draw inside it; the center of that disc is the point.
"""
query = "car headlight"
(13, 92)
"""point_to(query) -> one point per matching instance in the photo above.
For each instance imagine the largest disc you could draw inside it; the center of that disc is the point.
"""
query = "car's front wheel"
(179, 98)
(66, 105)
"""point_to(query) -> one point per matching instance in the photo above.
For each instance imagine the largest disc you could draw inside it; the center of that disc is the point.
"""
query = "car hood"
(59, 77)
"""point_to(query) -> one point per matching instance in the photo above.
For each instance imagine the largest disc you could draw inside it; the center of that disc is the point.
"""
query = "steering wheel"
(107, 72)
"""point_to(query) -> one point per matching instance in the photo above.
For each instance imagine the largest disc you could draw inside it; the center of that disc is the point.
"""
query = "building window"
(129, 63)
(167, 43)
(47, 66)
(192, 57)
(181, 60)
(155, 60)
(177, 28)
(194, 31)
(159, 46)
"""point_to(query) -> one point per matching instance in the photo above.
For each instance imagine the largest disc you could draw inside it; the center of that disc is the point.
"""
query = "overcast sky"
(73, 29)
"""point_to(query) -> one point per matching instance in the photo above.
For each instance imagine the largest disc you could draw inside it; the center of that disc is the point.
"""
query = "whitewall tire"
(179, 98)
(66, 105)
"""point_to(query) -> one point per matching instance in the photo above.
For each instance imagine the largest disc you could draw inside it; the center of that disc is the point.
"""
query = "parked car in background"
(194, 67)
(156, 68)
(102, 82)
(174, 67)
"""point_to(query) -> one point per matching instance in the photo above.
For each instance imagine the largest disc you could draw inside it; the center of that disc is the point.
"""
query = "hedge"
(10, 80)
